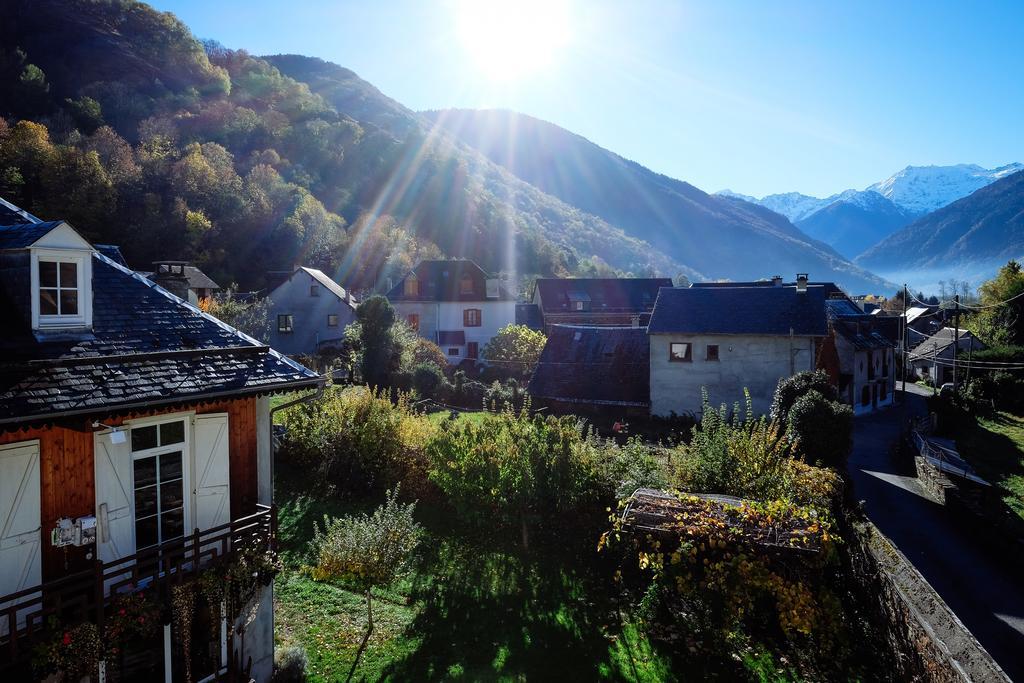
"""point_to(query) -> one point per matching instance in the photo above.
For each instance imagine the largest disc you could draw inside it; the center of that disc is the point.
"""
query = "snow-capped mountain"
(852, 221)
(923, 189)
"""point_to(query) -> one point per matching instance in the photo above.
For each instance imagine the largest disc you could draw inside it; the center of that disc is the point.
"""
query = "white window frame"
(291, 323)
(83, 261)
(186, 465)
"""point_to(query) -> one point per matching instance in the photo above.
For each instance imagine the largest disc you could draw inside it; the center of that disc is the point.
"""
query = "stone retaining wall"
(932, 644)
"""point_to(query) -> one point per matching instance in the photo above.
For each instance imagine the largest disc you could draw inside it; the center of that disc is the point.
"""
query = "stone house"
(860, 355)
(454, 304)
(183, 280)
(309, 313)
(724, 339)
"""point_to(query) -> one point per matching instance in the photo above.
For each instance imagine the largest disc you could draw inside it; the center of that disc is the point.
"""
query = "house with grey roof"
(309, 313)
(724, 339)
(613, 301)
(932, 358)
(454, 304)
(135, 451)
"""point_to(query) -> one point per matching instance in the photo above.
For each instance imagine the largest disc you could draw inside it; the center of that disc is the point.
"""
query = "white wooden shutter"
(211, 471)
(20, 564)
(115, 521)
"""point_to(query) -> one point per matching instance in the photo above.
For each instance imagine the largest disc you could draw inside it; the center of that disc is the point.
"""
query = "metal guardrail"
(950, 463)
(86, 595)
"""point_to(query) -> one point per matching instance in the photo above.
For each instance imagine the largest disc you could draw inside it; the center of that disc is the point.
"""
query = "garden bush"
(792, 388)
(512, 469)
(632, 466)
(821, 429)
(358, 440)
(748, 457)
(427, 380)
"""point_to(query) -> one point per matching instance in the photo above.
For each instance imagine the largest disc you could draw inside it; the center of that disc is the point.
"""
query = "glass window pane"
(69, 275)
(47, 302)
(69, 302)
(145, 501)
(170, 495)
(170, 466)
(172, 524)
(145, 472)
(145, 532)
(172, 432)
(143, 438)
(47, 274)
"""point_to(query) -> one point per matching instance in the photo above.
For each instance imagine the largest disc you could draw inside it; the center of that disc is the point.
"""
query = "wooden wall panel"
(67, 474)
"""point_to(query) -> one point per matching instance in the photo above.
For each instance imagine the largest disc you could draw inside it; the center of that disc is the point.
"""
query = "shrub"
(511, 468)
(427, 380)
(792, 388)
(631, 467)
(357, 439)
(290, 665)
(423, 351)
(500, 396)
(821, 429)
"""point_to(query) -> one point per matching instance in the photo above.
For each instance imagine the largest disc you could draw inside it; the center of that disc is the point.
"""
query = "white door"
(211, 471)
(20, 563)
(115, 525)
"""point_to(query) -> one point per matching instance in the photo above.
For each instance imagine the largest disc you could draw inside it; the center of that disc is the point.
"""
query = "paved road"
(985, 594)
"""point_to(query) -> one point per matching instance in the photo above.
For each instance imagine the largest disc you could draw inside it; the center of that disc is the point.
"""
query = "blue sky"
(757, 97)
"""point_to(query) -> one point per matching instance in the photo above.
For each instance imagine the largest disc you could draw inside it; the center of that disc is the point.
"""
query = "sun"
(507, 40)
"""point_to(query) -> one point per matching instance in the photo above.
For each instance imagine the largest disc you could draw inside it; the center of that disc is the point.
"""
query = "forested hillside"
(719, 236)
(118, 120)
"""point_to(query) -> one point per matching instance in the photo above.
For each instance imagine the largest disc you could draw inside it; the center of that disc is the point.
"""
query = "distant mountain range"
(716, 236)
(967, 239)
(854, 221)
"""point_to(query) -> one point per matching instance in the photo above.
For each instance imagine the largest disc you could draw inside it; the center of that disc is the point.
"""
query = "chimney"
(776, 280)
(801, 282)
(634, 322)
(171, 276)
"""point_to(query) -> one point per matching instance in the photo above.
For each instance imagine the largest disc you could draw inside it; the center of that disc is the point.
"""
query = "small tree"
(515, 349)
(376, 317)
(251, 317)
(368, 551)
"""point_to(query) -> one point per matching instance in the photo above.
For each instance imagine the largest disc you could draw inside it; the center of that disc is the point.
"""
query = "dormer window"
(61, 282)
(412, 286)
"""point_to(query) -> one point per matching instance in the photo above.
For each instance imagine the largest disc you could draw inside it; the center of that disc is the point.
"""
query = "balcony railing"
(86, 595)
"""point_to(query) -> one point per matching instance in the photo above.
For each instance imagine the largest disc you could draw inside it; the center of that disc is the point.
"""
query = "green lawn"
(442, 415)
(995, 446)
(475, 609)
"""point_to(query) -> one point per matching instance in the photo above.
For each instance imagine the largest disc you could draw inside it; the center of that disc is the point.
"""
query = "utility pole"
(903, 341)
(956, 339)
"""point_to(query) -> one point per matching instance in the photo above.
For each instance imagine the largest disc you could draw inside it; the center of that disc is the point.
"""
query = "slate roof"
(832, 290)
(439, 280)
(634, 295)
(146, 347)
(740, 310)
(13, 215)
(941, 344)
(112, 252)
(862, 330)
(24, 235)
(330, 285)
(594, 365)
(196, 278)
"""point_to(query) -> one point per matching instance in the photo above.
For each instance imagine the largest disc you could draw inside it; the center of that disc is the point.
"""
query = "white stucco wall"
(753, 362)
(448, 316)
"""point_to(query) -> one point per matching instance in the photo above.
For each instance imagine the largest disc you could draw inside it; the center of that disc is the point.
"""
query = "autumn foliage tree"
(515, 349)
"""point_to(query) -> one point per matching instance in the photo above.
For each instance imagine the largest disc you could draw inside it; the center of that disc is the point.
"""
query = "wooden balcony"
(86, 596)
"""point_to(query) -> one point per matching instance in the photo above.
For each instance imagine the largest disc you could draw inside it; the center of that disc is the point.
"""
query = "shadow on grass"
(500, 614)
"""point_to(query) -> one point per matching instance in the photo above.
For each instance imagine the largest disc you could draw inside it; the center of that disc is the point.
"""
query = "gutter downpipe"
(302, 399)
